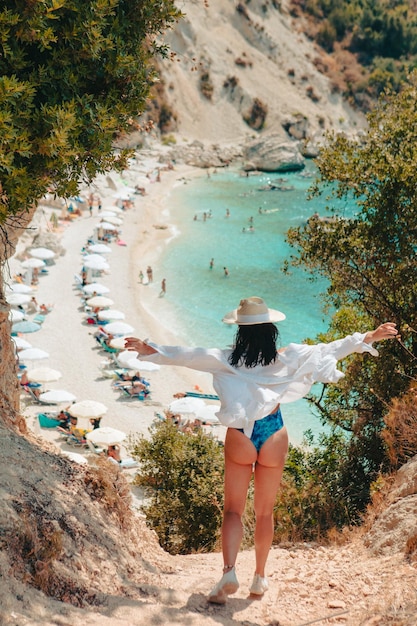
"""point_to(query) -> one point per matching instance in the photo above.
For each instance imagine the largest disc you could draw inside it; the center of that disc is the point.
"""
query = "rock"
(270, 154)
(309, 150)
(199, 155)
(296, 126)
(336, 604)
(395, 526)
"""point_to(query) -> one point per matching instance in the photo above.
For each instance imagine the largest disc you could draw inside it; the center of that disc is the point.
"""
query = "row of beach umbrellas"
(18, 295)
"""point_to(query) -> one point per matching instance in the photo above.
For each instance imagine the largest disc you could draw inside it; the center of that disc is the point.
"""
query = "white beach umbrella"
(115, 209)
(42, 253)
(26, 326)
(186, 405)
(19, 288)
(97, 288)
(16, 316)
(87, 409)
(207, 414)
(95, 264)
(44, 375)
(99, 301)
(124, 193)
(116, 221)
(106, 436)
(125, 356)
(17, 299)
(108, 213)
(99, 248)
(106, 226)
(119, 328)
(142, 181)
(21, 344)
(75, 456)
(33, 354)
(33, 263)
(144, 366)
(117, 342)
(111, 314)
(56, 396)
(94, 257)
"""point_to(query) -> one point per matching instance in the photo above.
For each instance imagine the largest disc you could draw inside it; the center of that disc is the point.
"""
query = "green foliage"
(74, 75)
(182, 474)
(313, 498)
(371, 30)
(369, 263)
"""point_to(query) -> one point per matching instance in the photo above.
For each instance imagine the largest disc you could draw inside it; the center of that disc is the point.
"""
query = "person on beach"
(149, 273)
(113, 453)
(163, 288)
(252, 380)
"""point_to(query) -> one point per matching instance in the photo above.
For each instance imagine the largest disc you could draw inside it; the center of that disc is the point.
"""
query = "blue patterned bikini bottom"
(264, 428)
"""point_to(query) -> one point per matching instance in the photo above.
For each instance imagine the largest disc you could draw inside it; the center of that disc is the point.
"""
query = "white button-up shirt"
(249, 394)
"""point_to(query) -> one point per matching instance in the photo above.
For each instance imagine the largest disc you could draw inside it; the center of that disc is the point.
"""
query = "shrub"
(313, 500)
(400, 432)
(256, 117)
(182, 474)
(231, 82)
(312, 94)
(206, 86)
(168, 140)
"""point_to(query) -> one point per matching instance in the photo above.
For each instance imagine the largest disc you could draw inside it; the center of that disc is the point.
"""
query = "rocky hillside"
(240, 69)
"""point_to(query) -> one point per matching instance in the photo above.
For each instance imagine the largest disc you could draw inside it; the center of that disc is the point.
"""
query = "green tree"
(369, 260)
(182, 475)
(74, 76)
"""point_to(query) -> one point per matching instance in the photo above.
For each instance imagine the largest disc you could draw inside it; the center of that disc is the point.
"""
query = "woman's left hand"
(384, 331)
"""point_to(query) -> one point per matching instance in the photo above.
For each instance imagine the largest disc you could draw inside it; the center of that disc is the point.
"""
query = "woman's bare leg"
(268, 475)
(240, 455)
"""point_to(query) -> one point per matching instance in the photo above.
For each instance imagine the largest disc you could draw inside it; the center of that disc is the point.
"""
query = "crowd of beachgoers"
(85, 275)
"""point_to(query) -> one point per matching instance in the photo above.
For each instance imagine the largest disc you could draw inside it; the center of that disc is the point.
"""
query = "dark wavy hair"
(255, 344)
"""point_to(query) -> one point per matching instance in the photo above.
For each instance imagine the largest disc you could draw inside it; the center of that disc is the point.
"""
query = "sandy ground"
(66, 336)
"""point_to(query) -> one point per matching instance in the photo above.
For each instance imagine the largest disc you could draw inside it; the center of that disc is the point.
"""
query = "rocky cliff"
(240, 70)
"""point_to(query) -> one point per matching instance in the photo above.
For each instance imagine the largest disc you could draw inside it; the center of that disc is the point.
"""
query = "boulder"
(309, 150)
(270, 154)
(394, 530)
(199, 155)
(297, 126)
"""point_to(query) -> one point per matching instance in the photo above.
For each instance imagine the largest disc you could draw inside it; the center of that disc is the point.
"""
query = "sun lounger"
(93, 448)
(45, 421)
(34, 396)
(39, 318)
(140, 395)
(104, 345)
(205, 396)
(124, 463)
(73, 440)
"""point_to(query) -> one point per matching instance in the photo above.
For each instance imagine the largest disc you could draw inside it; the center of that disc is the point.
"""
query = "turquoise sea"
(198, 296)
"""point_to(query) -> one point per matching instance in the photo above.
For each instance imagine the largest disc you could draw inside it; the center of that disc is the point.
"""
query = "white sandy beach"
(64, 333)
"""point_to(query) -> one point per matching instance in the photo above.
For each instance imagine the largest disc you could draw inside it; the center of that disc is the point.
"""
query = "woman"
(113, 453)
(252, 380)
